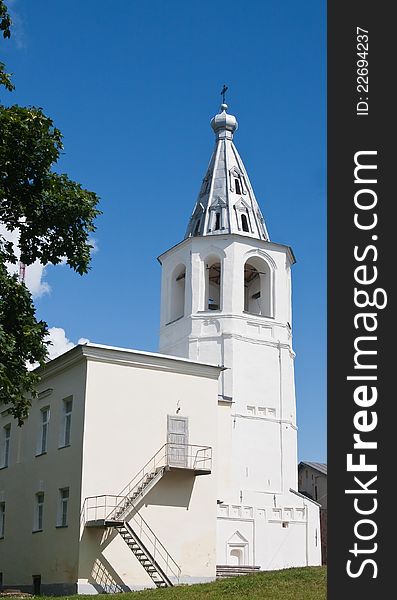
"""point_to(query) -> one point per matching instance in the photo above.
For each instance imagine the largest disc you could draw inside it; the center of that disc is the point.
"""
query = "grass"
(308, 583)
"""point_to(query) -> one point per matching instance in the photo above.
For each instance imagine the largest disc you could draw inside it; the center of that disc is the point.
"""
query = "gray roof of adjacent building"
(320, 467)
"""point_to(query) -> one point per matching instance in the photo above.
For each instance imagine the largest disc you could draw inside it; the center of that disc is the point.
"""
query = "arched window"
(213, 272)
(197, 227)
(257, 287)
(217, 221)
(177, 306)
(237, 185)
(244, 222)
(236, 556)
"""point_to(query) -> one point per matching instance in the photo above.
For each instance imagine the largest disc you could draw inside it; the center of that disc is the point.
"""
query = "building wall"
(126, 424)
(256, 351)
(53, 552)
(277, 533)
(257, 407)
(314, 483)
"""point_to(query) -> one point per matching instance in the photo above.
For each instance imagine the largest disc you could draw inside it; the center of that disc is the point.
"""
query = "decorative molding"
(304, 497)
(45, 393)
(256, 418)
(262, 254)
(219, 203)
(206, 253)
(241, 205)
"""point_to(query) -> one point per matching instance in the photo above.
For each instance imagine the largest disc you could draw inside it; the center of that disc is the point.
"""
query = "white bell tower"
(226, 300)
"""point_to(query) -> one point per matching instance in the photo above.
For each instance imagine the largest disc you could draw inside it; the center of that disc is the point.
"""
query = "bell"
(212, 305)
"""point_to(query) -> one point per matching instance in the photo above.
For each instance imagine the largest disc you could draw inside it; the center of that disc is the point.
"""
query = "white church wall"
(53, 552)
(257, 413)
(235, 534)
(225, 465)
(275, 534)
(255, 380)
(126, 423)
(256, 453)
(314, 534)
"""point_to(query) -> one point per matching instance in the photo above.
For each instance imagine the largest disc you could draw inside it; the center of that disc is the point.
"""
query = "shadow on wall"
(105, 579)
(174, 489)
(94, 566)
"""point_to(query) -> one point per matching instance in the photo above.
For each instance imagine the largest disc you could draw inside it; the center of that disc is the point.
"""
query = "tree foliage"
(53, 217)
(5, 27)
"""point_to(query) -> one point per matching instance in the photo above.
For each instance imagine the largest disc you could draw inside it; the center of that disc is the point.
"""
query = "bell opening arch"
(177, 293)
(258, 286)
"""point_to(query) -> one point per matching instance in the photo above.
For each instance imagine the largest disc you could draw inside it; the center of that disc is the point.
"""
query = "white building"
(137, 469)
(312, 481)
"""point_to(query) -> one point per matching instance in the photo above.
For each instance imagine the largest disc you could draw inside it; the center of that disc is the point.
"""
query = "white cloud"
(18, 34)
(34, 280)
(60, 343)
(94, 243)
(34, 274)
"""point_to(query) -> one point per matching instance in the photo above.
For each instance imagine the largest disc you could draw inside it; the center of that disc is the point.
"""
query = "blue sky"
(132, 86)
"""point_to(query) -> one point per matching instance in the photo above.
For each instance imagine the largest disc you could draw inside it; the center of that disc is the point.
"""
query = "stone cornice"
(236, 237)
(245, 338)
(267, 419)
(127, 357)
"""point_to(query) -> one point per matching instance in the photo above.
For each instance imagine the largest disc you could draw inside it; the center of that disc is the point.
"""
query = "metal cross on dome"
(223, 93)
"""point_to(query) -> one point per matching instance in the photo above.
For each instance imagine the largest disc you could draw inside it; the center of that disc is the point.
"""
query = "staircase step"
(223, 571)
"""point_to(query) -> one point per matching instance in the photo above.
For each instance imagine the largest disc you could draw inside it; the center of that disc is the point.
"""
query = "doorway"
(177, 439)
(36, 585)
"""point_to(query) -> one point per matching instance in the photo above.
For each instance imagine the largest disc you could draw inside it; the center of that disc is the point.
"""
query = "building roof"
(320, 467)
(226, 193)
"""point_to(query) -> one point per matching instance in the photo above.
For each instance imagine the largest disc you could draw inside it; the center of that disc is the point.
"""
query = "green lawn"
(290, 584)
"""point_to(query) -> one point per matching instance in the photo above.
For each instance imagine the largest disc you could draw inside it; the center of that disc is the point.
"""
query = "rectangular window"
(66, 422)
(63, 507)
(2, 518)
(38, 512)
(43, 436)
(6, 445)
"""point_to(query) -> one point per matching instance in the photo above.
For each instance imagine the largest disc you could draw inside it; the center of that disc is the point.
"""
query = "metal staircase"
(138, 492)
(113, 511)
(152, 566)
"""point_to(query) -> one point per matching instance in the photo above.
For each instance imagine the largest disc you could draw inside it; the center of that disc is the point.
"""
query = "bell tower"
(226, 300)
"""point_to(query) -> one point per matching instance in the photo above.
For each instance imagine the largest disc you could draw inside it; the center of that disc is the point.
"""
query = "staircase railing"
(157, 461)
(156, 549)
(185, 456)
(111, 510)
(96, 508)
(195, 457)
